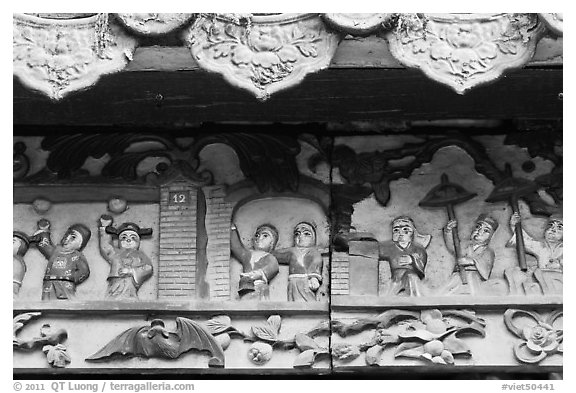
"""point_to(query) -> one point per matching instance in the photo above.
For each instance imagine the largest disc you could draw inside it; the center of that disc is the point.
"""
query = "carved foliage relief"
(429, 335)
(57, 57)
(463, 51)
(265, 337)
(267, 54)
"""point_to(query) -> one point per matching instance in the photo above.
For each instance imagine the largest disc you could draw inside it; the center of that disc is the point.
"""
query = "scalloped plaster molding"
(266, 55)
(465, 50)
(59, 56)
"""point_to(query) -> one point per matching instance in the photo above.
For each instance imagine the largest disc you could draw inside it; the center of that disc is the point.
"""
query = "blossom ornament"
(464, 50)
(539, 340)
(262, 54)
(60, 56)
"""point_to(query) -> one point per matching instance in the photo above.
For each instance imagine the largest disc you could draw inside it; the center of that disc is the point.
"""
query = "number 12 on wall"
(179, 198)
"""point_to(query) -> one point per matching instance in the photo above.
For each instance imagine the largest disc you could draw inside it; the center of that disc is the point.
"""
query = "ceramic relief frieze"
(446, 239)
(60, 56)
(154, 23)
(191, 254)
(554, 22)
(264, 55)
(289, 252)
(464, 50)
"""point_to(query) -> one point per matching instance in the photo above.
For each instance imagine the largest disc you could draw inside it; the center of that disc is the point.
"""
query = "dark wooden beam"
(182, 98)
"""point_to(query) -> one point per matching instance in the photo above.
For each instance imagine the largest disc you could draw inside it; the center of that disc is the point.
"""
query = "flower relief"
(464, 47)
(430, 335)
(269, 51)
(265, 337)
(53, 53)
(59, 56)
(456, 48)
(541, 338)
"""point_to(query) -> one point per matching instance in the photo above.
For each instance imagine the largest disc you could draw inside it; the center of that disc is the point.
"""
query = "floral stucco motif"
(57, 57)
(262, 54)
(430, 335)
(464, 51)
(541, 337)
(265, 337)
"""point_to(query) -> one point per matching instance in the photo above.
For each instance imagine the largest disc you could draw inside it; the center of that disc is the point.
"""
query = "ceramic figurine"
(20, 245)
(67, 266)
(259, 266)
(477, 258)
(305, 264)
(548, 252)
(406, 253)
(129, 267)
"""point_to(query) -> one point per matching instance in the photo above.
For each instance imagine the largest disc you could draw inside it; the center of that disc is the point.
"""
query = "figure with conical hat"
(129, 267)
(548, 251)
(304, 262)
(477, 258)
(407, 255)
(259, 266)
(67, 267)
(20, 245)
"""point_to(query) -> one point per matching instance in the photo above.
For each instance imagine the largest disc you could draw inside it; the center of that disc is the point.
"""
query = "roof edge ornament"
(60, 56)
(464, 50)
(57, 54)
(262, 54)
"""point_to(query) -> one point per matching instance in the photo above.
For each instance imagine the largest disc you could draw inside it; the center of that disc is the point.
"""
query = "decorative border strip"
(265, 54)
(182, 307)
